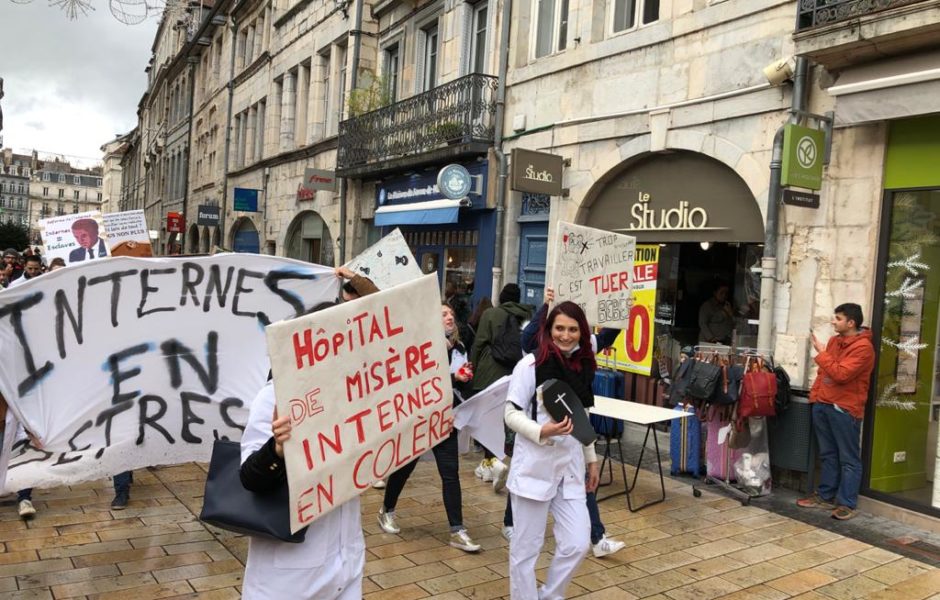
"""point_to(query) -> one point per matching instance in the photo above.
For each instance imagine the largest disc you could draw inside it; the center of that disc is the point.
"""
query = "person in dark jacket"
(445, 453)
(487, 370)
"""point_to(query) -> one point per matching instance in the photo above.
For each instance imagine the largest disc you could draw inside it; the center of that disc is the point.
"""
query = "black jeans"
(445, 455)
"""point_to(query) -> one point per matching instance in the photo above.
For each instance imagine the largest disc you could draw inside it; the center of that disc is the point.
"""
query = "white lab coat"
(327, 565)
(544, 476)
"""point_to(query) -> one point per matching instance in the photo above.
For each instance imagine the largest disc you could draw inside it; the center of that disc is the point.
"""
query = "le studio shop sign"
(680, 217)
(537, 172)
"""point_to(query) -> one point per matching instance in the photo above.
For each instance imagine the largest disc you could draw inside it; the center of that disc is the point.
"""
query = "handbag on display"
(758, 392)
(703, 380)
(228, 505)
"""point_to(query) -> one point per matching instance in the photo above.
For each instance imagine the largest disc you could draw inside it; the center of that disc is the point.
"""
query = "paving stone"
(801, 581)
(151, 591)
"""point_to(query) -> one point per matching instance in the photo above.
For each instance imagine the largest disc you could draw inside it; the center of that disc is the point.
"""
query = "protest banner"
(128, 234)
(367, 387)
(131, 362)
(74, 238)
(481, 417)
(387, 262)
(594, 269)
(633, 349)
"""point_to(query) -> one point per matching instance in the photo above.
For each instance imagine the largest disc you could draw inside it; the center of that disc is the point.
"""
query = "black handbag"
(228, 505)
(703, 380)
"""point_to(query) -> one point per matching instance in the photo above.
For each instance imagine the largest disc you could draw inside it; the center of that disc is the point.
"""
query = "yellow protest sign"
(637, 355)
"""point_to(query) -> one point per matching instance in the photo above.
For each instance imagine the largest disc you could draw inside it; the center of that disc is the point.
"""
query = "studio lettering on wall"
(367, 386)
(122, 363)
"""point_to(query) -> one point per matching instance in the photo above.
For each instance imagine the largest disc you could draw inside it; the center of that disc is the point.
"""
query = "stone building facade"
(58, 188)
(15, 172)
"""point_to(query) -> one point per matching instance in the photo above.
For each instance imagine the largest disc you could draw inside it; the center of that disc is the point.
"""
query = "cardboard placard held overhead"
(128, 234)
(387, 262)
(367, 386)
(594, 269)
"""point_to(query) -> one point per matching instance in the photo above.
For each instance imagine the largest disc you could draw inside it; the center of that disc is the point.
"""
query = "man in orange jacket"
(838, 396)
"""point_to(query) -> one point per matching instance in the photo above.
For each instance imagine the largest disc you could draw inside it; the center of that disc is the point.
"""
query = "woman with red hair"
(548, 464)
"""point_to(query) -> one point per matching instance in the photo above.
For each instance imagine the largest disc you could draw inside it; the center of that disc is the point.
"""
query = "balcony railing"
(813, 13)
(458, 112)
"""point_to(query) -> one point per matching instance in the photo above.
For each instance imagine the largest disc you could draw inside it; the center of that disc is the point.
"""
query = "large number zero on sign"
(639, 334)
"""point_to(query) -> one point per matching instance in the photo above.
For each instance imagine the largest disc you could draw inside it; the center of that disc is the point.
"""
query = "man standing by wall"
(839, 395)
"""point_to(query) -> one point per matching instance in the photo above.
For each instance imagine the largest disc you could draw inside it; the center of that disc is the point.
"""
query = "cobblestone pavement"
(683, 549)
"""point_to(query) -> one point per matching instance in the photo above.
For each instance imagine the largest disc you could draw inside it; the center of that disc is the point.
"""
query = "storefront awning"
(432, 212)
(888, 89)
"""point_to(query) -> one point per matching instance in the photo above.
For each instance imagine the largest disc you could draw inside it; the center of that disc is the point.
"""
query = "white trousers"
(572, 540)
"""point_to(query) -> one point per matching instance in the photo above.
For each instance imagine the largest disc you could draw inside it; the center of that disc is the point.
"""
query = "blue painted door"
(533, 255)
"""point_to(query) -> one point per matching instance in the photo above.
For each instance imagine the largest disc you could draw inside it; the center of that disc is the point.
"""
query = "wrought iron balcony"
(458, 113)
(814, 13)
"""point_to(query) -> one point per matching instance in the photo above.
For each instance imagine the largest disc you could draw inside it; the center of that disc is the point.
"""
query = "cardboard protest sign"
(387, 262)
(633, 349)
(594, 269)
(128, 234)
(481, 417)
(367, 386)
(130, 362)
(74, 238)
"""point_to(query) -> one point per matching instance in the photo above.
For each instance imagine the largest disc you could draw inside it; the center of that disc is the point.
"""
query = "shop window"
(551, 26)
(309, 239)
(907, 392)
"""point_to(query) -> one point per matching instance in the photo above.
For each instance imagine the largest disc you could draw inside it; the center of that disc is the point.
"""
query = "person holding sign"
(445, 453)
(549, 465)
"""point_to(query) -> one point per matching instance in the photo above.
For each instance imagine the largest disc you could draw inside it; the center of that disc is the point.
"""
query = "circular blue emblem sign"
(454, 182)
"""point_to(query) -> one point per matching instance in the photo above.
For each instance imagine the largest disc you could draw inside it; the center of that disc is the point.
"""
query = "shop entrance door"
(533, 256)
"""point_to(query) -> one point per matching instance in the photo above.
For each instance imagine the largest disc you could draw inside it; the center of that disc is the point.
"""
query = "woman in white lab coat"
(328, 564)
(548, 465)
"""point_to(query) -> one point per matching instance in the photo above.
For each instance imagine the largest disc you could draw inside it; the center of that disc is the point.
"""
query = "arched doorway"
(245, 236)
(309, 239)
(204, 240)
(193, 239)
(701, 220)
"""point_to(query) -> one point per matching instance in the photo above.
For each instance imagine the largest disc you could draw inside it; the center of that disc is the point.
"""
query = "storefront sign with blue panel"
(245, 200)
(422, 187)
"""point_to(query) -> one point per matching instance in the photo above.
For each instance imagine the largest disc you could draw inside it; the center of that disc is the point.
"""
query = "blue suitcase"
(608, 383)
(685, 444)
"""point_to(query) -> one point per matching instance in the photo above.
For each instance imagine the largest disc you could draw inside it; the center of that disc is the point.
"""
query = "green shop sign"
(803, 150)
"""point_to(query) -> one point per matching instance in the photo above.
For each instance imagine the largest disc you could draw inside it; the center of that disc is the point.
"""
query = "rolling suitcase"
(685, 443)
(607, 383)
(719, 458)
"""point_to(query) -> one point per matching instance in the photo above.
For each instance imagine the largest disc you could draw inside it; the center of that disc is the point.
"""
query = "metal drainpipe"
(498, 148)
(769, 260)
(353, 81)
(189, 144)
(228, 132)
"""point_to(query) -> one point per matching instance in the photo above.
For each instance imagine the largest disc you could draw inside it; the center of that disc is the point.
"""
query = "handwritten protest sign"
(367, 386)
(388, 262)
(128, 234)
(594, 269)
(127, 362)
(75, 237)
(633, 349)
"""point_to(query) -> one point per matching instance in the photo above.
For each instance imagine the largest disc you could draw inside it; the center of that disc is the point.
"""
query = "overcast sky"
(70, 86)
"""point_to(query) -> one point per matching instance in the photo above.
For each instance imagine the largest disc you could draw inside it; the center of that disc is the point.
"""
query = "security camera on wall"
(780, 70)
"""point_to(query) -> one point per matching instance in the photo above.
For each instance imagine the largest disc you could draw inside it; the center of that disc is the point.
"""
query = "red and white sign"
(367, 386)
(175, 222)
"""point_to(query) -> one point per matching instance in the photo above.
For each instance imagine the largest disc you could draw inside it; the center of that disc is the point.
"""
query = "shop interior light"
(705, 245)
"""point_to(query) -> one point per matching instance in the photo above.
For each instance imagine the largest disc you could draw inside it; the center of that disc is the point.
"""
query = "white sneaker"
(500, 473)
(606, 546)
(485, 469)
(379, 485)
(387, 522)
(461, 539)
(26, 509)
(507, 532)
